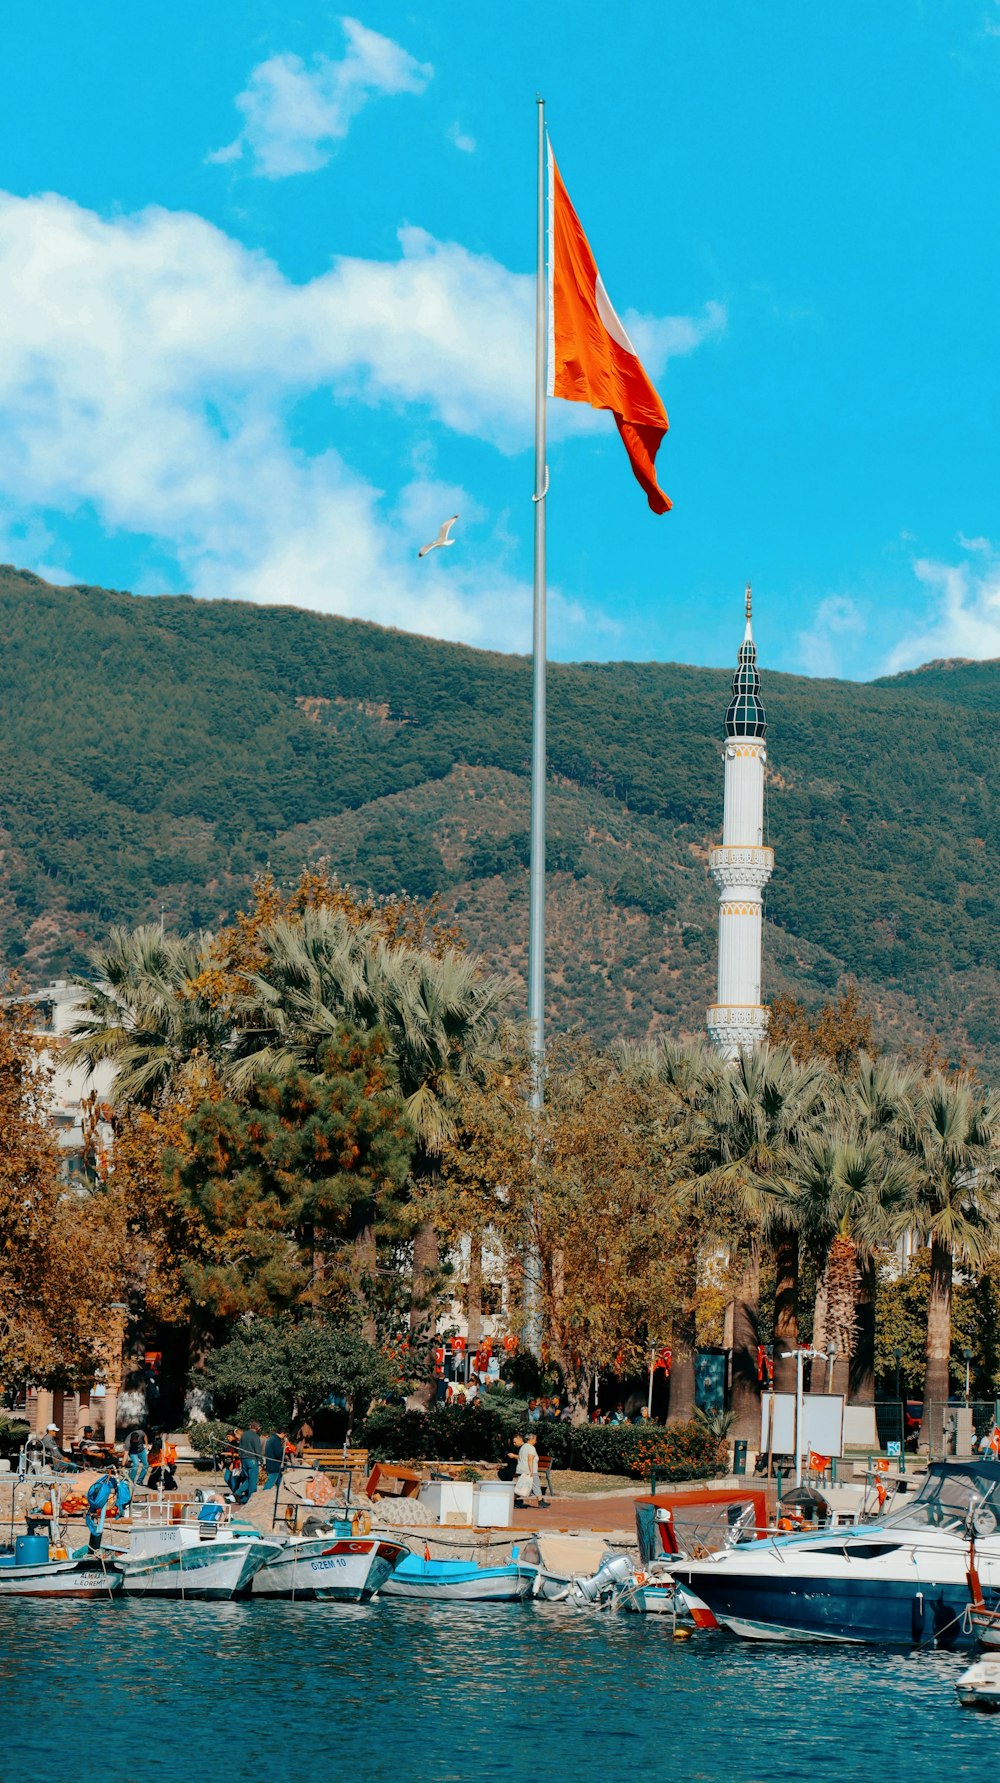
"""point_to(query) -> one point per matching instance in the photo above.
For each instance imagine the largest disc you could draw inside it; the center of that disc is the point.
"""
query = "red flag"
(591, 358)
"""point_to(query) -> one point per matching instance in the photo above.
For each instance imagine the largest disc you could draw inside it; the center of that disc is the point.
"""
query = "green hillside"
(155, 753)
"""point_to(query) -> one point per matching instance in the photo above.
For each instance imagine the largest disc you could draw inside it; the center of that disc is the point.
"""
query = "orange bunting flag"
(591, 358)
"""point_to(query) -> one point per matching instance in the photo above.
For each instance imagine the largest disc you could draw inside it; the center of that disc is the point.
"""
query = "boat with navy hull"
(900, 1581)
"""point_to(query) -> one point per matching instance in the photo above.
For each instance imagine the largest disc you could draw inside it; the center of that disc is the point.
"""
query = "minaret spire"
(742, 866)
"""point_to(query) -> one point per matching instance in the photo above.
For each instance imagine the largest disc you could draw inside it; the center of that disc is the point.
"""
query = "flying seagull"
(442, 538)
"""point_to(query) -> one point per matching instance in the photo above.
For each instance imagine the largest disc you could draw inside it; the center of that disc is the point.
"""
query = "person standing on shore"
(275, 1449)
(251, 1456)
(527, 1488)
(138, 1456)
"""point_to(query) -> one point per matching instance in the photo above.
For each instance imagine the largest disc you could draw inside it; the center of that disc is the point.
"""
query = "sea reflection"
(453, 1695)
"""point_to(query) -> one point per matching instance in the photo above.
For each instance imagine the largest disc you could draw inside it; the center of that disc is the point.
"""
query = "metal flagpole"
(536, 917)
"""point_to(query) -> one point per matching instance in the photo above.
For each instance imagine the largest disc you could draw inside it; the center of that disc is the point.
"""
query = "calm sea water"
(396, 1691)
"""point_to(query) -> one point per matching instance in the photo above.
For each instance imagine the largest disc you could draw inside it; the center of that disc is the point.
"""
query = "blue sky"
(266, 294)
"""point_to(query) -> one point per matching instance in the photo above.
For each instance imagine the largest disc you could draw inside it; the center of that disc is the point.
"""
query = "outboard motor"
(613, 1570)
(742, 1525)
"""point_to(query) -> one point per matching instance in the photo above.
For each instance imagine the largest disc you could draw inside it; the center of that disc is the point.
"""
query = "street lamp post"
(801, 1357)
(968, 1358)
(897, 1352)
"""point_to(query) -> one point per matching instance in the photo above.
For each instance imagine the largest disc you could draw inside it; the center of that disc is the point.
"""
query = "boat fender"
(917, 1618)
(361, 1523)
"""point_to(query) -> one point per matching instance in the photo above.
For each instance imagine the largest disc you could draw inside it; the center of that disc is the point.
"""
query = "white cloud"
(295, 113)
(461, 139)
(658, 339)
(836, 626)
(149, 367)
(964, 611)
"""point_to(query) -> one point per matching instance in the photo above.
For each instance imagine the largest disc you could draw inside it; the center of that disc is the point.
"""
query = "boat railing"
(174, 1507)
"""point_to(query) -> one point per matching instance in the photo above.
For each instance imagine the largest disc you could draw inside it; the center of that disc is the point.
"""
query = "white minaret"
(742, 866)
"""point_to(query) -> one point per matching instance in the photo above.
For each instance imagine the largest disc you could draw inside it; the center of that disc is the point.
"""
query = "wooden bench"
(94, 1454)
(343, 1461)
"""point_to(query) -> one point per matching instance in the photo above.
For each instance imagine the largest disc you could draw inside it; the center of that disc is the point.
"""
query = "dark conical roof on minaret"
(745, 716)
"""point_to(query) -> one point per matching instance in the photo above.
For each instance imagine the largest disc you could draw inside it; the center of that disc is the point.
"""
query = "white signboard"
(822, 1431)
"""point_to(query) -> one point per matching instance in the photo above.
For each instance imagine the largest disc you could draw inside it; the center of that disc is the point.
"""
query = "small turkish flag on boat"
(591, 358)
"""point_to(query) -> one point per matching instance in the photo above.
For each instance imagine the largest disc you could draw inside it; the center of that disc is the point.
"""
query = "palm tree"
(764, 1108)
(882, 1093)
(444, 1017)
(851, 1182)
(689, 1074)
(143, 1013)
(953, 1205)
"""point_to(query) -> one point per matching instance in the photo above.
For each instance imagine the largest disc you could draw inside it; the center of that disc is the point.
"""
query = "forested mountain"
(155, 753)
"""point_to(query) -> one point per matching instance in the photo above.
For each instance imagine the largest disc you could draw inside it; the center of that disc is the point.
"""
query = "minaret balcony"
(733, 864)
(737, 1027)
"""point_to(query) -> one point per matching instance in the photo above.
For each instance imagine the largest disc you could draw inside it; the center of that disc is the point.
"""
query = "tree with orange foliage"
(61, 1248)
(837, 1032)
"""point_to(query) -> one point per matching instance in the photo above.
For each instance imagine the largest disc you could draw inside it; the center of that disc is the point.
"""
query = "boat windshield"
(946, 1500)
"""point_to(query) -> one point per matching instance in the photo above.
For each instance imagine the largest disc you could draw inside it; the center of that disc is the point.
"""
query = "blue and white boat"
(459, 1581)
(901, 1581)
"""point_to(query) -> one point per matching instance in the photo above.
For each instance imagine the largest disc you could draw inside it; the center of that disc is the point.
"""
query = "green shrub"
(681, 1452)
(483, 1432)
(208, 1436)
(13, 1436)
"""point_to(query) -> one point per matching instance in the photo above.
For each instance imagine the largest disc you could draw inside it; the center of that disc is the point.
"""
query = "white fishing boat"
(979, 1687)
(903, 1580)
(560, 1561)
(32, 1569)
(341, 1563)
(194, 1551)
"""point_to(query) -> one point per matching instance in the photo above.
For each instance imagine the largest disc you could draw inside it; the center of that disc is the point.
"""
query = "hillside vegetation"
(154, 754)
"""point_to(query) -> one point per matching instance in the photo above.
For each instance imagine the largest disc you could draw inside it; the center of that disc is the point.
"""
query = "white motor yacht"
(903, 1580)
